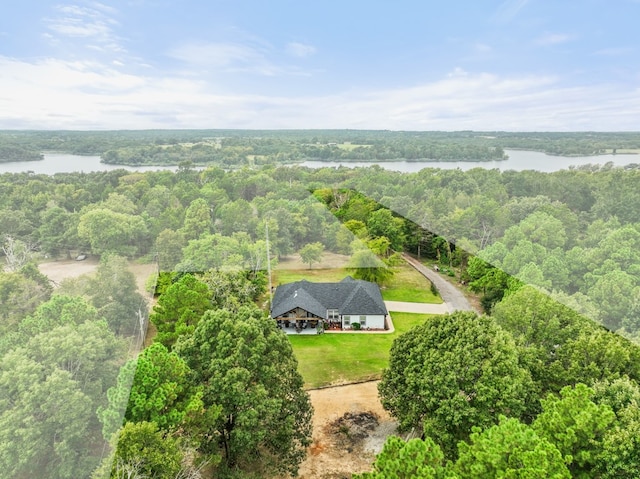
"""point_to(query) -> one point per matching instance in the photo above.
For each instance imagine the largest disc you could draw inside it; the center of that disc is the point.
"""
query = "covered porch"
(301, 327)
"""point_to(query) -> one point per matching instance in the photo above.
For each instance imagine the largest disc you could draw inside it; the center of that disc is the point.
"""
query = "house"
(303, 305)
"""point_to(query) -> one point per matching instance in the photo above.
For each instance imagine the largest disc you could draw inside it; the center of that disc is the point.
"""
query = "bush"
(355, 326)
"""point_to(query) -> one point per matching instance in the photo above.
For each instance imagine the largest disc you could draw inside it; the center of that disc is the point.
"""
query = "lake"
(64, 163)
(518, 160)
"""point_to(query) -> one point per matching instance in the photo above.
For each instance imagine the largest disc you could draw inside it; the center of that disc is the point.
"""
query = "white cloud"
(300, 50)
(95, 25)
(54, 94)
(216, 55)
(615, 51)
(231, 57)
(549, 39)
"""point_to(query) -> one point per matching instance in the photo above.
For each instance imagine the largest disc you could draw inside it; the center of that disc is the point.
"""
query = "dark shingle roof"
(349, 296)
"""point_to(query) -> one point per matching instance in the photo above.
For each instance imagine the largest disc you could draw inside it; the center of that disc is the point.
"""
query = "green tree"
(49, 392)
(382, 223)
(109, 232)
(233, 289)
(19, 296)
(147, 452)
(541, 328)
(44, 421)
(414, 459)
(159, 390)
(492, 282)
(57, 230)
(113, 291)
(620, 456)
(179, 309)
(615, 293)
(364, 264)
(247, 367)
(211, 251)
(169, 246)
(509, 450)
(59, 310)
(312, 253)
(576, 426)
(451, 373)
(358, 228)
(197, 220)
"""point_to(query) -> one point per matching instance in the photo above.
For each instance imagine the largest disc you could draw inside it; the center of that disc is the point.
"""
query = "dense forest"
(554, 256)
(236, 148)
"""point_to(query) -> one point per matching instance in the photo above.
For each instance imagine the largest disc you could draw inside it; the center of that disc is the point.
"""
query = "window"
(332, 315)
(346, 320)
(363, 321)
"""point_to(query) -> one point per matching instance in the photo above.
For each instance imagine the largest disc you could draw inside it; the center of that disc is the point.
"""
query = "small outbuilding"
(351, 304)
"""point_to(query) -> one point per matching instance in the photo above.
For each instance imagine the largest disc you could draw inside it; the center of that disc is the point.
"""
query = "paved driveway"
(423, 308)
(454, 299)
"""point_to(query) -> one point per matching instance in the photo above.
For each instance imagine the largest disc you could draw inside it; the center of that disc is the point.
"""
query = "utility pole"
(266, 227)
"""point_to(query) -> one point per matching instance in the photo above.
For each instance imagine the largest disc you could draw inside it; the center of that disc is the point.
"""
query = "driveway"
(422, 308)
(452, 297)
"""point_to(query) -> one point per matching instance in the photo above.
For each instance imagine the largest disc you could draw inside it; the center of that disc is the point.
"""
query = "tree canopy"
(453, 372)
(246, 367)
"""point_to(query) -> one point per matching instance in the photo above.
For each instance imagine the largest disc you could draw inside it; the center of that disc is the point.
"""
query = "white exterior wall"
(372, 321)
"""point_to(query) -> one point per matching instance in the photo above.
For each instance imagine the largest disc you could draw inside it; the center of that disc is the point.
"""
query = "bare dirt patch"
(349, 428)
(57, 271)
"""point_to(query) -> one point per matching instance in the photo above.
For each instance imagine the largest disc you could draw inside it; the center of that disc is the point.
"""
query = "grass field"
(406, 285)
(409, 285)
(284, 276)
(341, 358)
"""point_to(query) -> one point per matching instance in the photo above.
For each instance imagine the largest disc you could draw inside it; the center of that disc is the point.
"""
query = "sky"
(513, 65)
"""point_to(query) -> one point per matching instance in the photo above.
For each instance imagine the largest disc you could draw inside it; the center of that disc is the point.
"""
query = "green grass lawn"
(284, 276)
(337, 358)
(409, 285)
(406, 285)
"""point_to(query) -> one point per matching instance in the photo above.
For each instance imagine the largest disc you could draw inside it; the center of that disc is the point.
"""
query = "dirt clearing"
(57, 271)
(349, 428)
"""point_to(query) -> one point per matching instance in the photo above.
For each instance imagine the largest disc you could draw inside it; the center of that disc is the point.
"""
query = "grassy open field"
(334, 358)
(350, 146)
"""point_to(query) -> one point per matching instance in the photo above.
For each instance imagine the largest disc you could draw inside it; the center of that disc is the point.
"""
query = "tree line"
(235, 148)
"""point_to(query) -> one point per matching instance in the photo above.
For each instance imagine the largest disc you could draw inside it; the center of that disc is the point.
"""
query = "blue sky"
(566, 65)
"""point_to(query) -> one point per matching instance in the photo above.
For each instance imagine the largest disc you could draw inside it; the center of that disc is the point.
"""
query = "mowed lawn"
(334, 358)
(406, 285)
(409, 285)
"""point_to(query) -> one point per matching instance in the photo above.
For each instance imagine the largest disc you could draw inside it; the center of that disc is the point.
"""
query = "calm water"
(518, 160)
(63, 163)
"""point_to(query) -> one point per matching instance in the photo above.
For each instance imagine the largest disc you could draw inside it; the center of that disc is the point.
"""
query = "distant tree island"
(236, 148)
